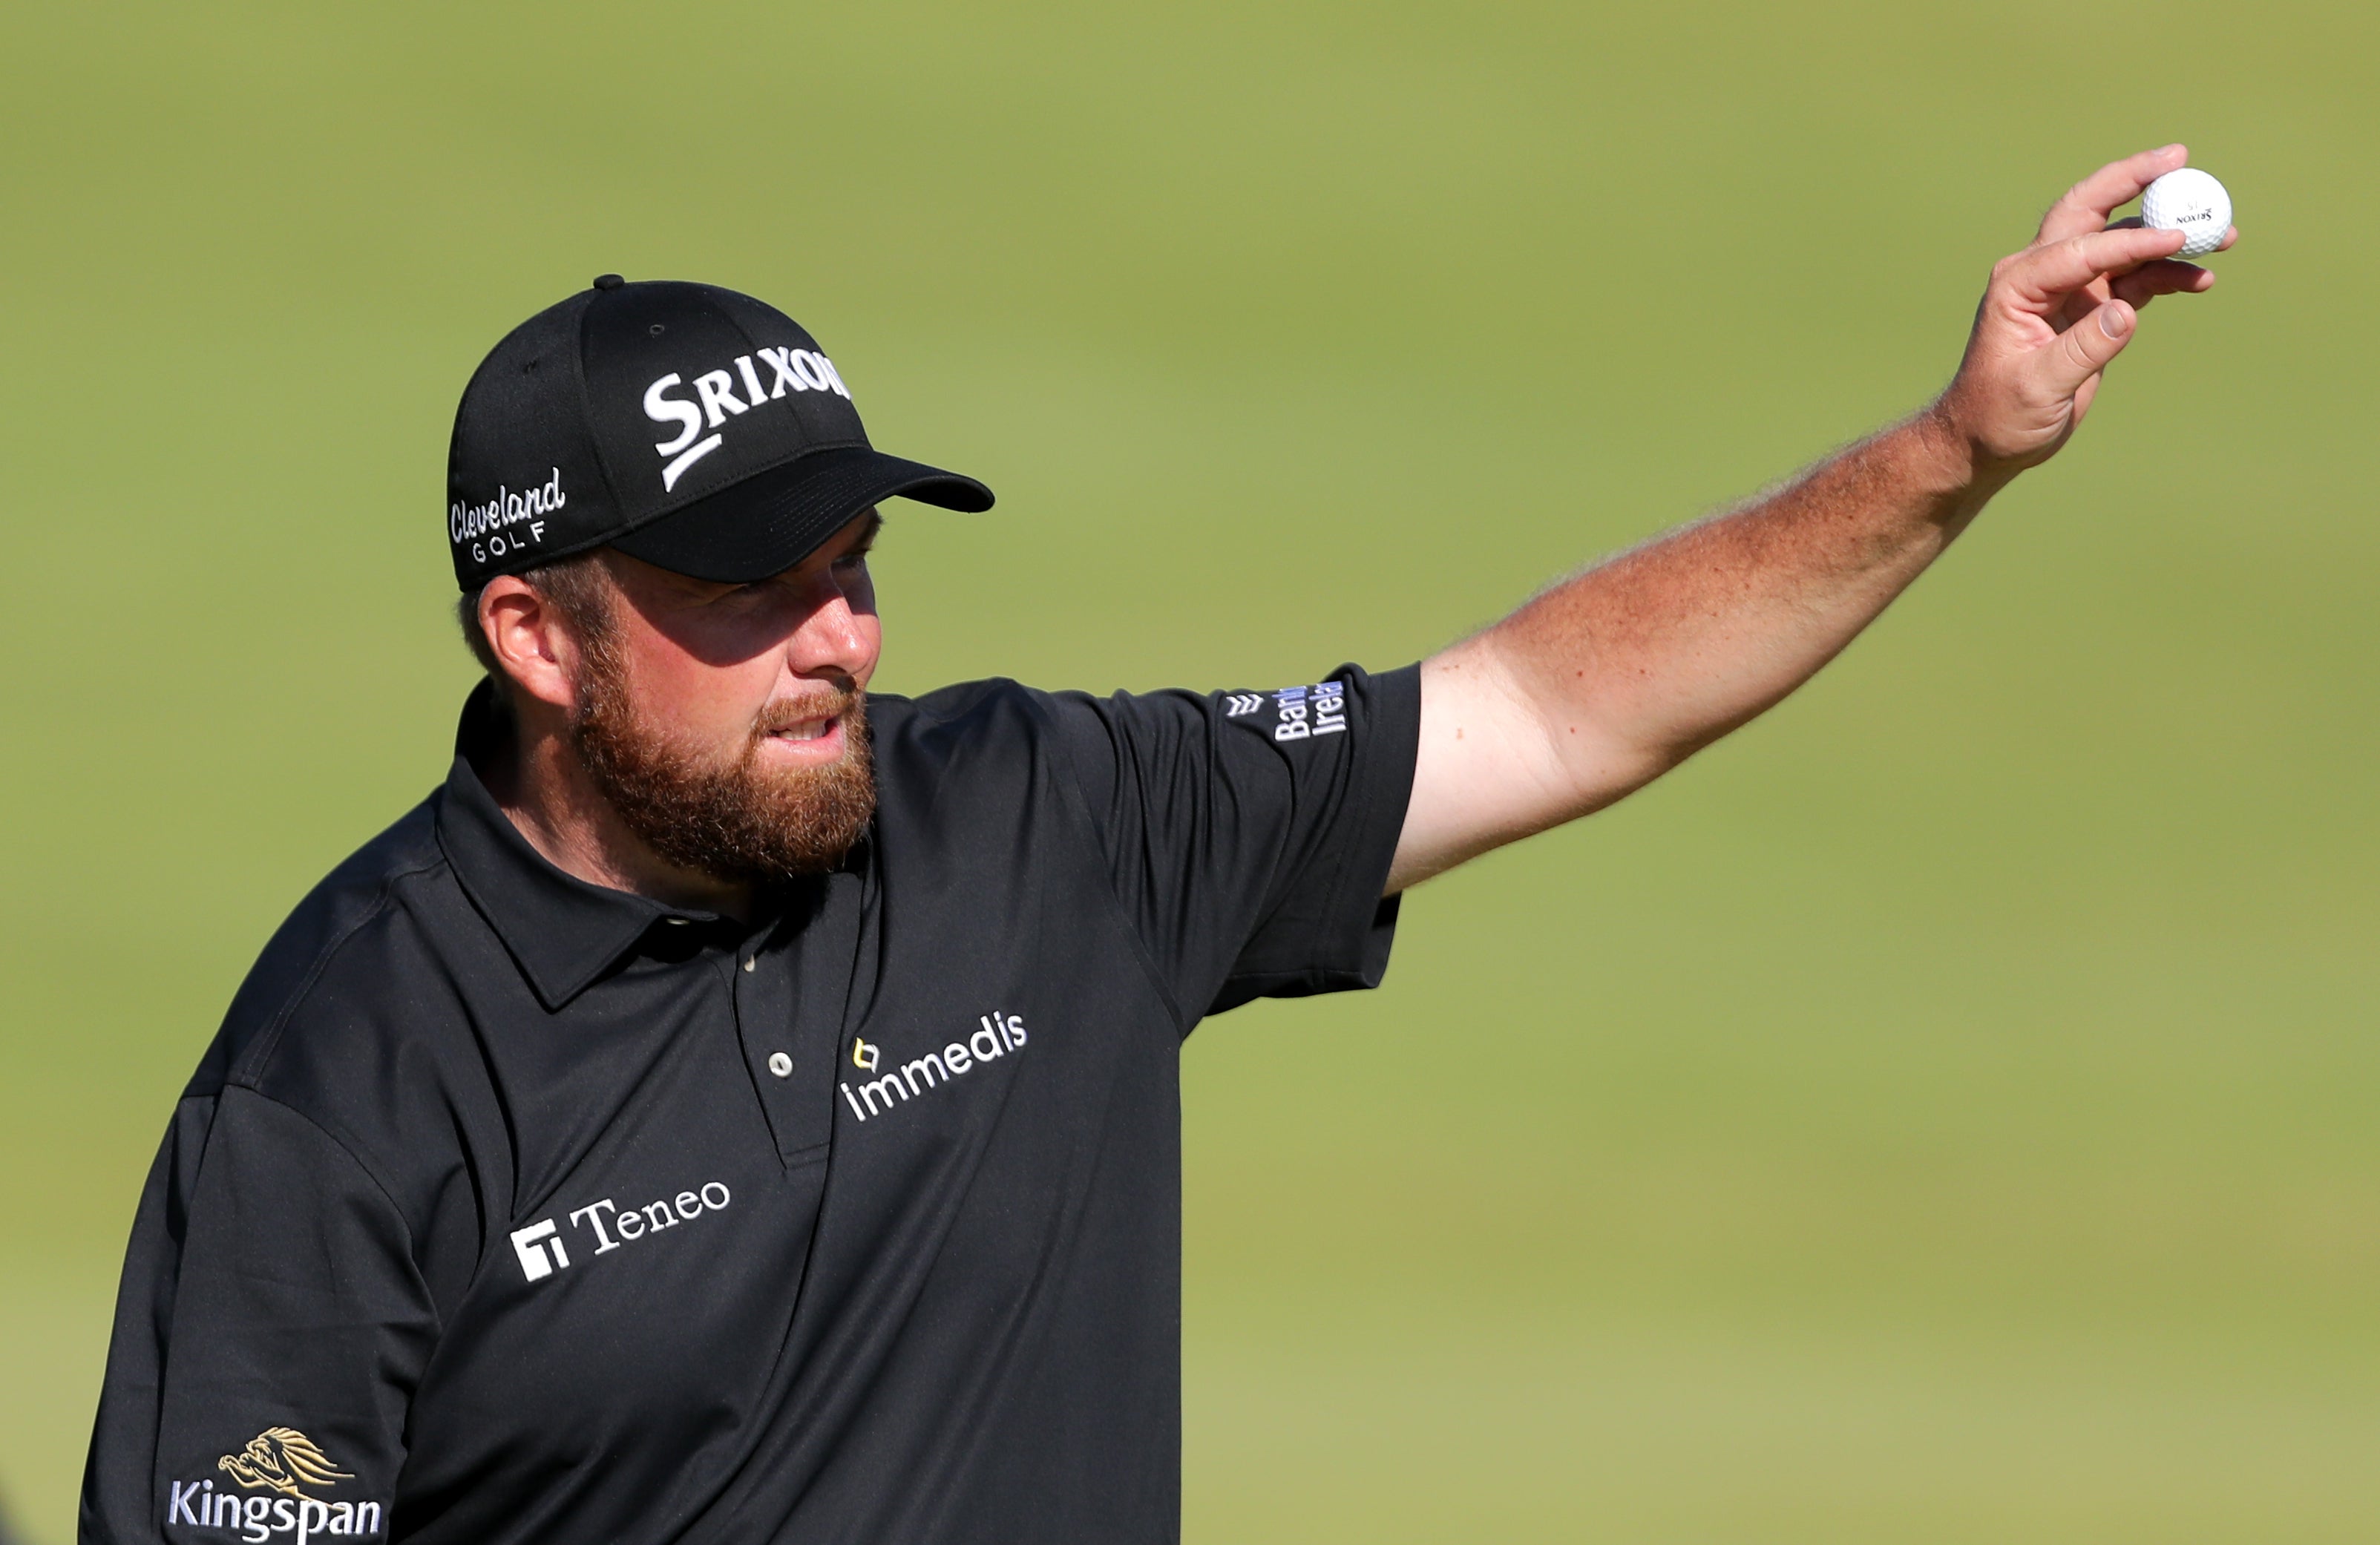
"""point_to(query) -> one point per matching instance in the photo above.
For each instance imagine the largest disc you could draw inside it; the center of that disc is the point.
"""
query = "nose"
(837, 634)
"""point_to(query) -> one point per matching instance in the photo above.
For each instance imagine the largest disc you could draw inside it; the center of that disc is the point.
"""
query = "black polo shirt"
(508, 1208)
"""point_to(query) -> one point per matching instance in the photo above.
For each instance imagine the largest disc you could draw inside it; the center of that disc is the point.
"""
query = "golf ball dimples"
(2187, 200)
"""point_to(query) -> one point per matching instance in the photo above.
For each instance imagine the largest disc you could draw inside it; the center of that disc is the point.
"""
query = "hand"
(2056, 313)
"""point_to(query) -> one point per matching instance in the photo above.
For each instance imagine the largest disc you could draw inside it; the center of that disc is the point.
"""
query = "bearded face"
(730, 812)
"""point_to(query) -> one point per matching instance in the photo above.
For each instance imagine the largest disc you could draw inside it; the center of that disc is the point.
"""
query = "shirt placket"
(791, 985)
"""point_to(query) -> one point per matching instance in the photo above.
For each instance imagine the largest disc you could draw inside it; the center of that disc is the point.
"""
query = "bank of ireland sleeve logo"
(1298, 712)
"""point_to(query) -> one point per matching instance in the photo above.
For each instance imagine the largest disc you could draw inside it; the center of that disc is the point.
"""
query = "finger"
(2041, 275)
(2134, 223)
(2083, 349)
(2086, 205)
(2147, 282)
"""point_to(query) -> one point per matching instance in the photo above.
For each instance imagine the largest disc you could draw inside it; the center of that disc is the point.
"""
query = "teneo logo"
(1300, 713)
(541, 1248)
(279, 1459)
(790, 369)
(1001, 1034)
(541, 1253)
(491, 528)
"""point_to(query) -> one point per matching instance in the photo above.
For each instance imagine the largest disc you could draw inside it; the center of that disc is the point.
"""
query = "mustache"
(785, 713)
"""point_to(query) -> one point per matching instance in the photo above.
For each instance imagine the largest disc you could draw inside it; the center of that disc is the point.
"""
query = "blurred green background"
(1944, 1112)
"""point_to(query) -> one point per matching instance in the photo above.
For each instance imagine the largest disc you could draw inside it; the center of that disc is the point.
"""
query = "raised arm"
(1609, 679)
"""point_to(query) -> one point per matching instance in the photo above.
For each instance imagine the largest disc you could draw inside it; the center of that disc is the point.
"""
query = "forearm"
(1610, 678)
(1642, 660)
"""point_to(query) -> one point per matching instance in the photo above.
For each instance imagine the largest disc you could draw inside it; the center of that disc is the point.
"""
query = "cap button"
(609, 281)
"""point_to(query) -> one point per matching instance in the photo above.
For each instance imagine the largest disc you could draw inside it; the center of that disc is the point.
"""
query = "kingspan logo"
(278, 1460)
(790, 369)
(1000, 1035)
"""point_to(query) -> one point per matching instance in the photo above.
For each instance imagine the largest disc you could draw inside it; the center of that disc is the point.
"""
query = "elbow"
(1589, 768)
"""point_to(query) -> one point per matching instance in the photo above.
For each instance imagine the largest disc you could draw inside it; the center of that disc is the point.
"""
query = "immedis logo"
(999, 1035)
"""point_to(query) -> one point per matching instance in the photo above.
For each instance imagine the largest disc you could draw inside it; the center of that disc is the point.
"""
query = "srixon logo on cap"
(790, 369)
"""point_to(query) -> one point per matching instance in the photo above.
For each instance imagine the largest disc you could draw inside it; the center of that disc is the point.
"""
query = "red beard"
(733, 819)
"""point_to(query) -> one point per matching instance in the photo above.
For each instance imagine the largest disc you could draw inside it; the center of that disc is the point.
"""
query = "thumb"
(2083, 349)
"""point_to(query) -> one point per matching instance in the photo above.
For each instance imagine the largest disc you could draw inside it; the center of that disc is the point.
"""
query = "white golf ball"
(2187, 200)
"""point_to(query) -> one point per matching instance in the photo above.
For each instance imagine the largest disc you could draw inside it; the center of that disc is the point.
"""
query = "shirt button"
(780, 1064)
(750, 961)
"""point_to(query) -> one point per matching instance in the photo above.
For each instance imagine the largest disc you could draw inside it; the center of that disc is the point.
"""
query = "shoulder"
(979, 728)
(978, 717)
(343, 1006)
(951, 716)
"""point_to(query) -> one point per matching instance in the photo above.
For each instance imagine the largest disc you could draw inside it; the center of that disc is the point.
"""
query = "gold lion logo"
(282, 1459)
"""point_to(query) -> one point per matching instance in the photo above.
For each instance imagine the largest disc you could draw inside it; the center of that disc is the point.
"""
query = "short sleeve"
(1249, 834)
(270, 1330)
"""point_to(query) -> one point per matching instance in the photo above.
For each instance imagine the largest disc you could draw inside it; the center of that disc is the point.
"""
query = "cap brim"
(772, 520)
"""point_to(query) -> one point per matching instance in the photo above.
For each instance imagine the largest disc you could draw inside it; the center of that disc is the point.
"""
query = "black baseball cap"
(686, 425)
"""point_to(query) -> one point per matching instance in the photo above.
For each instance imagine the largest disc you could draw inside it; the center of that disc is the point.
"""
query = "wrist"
(1958, 464)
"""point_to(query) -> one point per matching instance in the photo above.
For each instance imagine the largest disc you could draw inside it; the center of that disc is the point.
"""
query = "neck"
(545, 791)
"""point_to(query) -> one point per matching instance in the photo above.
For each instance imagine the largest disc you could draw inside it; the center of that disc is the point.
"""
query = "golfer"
(738, 1106)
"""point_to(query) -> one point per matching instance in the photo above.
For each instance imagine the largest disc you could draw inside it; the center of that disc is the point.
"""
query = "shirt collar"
(559, 930)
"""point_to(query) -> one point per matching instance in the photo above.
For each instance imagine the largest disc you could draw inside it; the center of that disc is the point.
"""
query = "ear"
(530, 640)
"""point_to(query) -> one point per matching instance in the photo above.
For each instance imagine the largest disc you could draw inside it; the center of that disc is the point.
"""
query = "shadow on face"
(820, 616)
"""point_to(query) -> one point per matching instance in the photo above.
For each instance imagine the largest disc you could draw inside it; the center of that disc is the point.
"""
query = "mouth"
(810, 741)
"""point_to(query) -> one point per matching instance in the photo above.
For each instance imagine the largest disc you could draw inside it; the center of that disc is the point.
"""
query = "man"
(738, 1107)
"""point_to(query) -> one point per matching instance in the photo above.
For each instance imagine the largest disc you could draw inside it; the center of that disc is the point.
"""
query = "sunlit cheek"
(701, 705)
